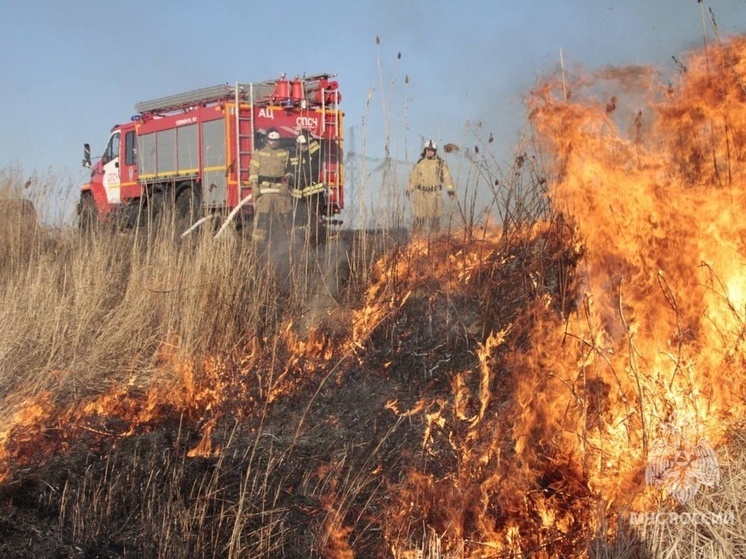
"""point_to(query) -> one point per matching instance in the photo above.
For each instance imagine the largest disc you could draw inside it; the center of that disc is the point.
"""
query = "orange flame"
(661, 330)
(654, 187)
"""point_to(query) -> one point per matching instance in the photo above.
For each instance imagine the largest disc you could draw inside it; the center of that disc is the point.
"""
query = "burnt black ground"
(315, 472)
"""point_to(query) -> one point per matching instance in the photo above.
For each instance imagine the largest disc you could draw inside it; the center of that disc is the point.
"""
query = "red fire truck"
(190, 153)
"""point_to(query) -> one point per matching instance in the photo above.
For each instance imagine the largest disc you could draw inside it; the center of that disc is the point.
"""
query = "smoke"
(311, 268)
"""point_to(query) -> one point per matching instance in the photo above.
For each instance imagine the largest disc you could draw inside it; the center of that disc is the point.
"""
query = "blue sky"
(70, 70)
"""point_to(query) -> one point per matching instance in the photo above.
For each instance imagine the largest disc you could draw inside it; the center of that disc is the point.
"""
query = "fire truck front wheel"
(87, 213)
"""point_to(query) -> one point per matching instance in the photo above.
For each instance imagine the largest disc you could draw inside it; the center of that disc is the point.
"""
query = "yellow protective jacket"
(430, 175)
(269, 165)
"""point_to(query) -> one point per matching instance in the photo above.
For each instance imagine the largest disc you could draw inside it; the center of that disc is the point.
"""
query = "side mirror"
(86, 155)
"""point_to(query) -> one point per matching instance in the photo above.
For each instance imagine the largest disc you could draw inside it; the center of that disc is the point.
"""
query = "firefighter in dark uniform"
(307, 188)
(269, 176)
(426, 181)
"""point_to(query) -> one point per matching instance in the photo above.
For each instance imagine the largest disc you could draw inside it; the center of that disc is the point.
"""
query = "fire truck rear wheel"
(155, 208)
(187, 209)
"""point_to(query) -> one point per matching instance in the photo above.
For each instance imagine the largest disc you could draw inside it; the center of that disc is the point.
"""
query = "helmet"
(430, 145)
(301, 139)
(273, 135)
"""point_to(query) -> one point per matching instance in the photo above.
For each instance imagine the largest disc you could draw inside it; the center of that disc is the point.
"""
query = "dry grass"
(83, 313)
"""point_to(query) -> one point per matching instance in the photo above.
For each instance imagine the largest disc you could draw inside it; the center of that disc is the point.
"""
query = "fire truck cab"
(190, 153)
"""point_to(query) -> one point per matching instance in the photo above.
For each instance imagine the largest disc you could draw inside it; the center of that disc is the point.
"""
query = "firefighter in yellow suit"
(269, 176)
(426, 181)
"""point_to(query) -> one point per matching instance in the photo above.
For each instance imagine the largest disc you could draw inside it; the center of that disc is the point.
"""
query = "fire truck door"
(110, 162)
(129, 188)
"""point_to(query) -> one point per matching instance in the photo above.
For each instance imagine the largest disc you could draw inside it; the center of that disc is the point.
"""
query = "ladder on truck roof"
(244, 138)
(259, 92)
(204, 95)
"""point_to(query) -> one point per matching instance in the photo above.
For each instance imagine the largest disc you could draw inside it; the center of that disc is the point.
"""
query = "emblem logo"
(681, 466)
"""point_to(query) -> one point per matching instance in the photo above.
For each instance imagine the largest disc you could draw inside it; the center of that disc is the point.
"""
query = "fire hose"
(231, 215)
(196, 224)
